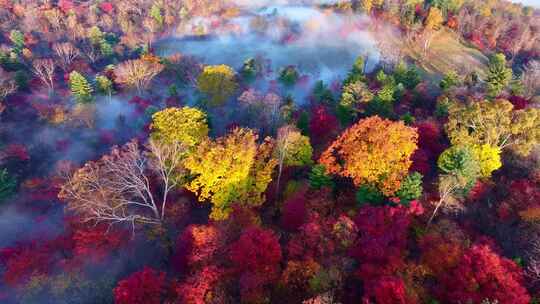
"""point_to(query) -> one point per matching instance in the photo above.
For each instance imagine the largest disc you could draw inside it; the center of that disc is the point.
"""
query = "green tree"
(218, 83)
(369, 194)
(17, 38)
(411, 187)
(318, 177)
(155, 13)
(8, 185)
(407, 76)
(459, 171)
(292, 149)
(289, 76)
(498, 76)
(357, 71)
(80, 88)
(104, 85)
(449, 80)
(354, 94)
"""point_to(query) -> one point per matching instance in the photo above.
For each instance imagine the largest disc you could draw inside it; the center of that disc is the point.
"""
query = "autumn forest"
(258, 152)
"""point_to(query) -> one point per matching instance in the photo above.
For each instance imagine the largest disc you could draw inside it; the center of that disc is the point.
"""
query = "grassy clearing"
(445, 54)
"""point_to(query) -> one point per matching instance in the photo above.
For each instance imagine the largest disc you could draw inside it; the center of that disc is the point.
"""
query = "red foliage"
(17, 151)
(421, 162)
(294, 212)
(196, 246)
(140, 104)
(523, 201)
(385, 290)
(322, 124)
(482, 274)
(315, 240)
(199, 286)
(441, 249)
(65, 5)
(95, 243)
(24, 260)
(143, 287)
(479, 190)
(257, 250)
(382, 240)
(107, 7)
(256, 257)
(519, 102)
(430, 137)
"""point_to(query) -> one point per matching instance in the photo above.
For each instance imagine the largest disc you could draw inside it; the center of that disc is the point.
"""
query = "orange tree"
(374, 151)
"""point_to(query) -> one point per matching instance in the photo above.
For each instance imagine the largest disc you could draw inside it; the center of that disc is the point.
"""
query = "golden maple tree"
(374, 151)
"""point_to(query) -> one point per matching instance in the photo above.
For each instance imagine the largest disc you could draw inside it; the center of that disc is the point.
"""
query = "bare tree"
(118, 188)
(425, 39)
(531, 78)
(44, 70)
(66, 52)
(91, 51)
(137, 73)
(292, 149)
(7, 84)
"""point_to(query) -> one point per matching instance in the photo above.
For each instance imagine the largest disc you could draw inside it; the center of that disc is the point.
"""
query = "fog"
(321, 44)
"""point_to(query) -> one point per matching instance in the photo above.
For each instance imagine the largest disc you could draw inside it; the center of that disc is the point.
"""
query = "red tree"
(381, 241)
(386, 290)
(482, 274)
(95, 243)
(196, 246)
(314, 240)
(24, 260)
(143, 287)
(199, 286)
(256, 257)
(294, 212)
(322, 124)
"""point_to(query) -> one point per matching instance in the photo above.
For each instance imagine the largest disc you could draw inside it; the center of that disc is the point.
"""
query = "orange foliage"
(374, 151)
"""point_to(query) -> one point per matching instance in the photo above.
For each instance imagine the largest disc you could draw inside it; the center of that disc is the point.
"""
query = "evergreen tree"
(499, 75)
(17, 38)
(80, 88)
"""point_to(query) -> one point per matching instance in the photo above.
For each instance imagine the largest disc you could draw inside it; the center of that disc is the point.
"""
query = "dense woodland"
(132, 177)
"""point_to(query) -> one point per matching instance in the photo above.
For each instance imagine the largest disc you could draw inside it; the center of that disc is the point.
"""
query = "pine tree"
(17, 38)
(80, 87)
(499, 75)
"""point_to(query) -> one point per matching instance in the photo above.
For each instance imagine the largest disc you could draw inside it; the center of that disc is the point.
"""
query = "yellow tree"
(495, 123)
(218, 83)
(488, 158)
(231, 169)
(185, 125)
(374, 151)
(434, 19)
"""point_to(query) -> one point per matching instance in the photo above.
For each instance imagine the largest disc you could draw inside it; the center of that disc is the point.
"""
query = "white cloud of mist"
(322, 44)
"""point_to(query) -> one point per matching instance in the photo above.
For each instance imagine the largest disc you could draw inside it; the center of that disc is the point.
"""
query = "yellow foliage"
(185, 125)
(217, 82)
(495, 123)
(434, 19)
(231, 169)
(489, 158)
(374, 151)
